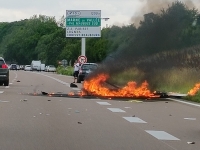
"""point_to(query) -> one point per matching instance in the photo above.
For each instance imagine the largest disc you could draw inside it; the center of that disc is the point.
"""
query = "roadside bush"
(195, 98)
(65, 70)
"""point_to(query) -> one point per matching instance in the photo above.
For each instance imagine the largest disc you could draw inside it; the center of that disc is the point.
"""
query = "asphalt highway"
(31, 121)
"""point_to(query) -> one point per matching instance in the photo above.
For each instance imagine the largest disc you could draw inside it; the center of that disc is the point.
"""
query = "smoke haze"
(156, 5)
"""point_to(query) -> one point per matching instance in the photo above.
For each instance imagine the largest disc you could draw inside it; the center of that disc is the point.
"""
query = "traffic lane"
(65, 78)
(68, 123)
(35, 122)
(35, 82)
(180, 120)
(35, 73)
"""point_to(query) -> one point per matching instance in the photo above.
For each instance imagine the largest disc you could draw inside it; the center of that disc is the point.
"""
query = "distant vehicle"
(42, 67)
(46, 68)
(4, 72)
(13, 67)
(18, 67)
(36, 65)
(21, 67)
(27, 68)
(51, 68)
(85, 69)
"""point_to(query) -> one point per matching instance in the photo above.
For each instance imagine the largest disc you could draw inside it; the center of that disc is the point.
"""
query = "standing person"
(76, 70)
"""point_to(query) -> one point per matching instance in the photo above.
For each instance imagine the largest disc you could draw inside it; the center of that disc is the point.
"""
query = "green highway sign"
(83, 22)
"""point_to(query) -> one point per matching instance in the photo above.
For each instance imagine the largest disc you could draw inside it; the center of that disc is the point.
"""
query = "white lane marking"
(161, 135)
(103, 103)
(6, 87)
(134, 119)
(76, 89)
(1, 92)
(60, 81)
(190, 118)
(116, 110)
(15, 75)
(181, 101)
(4, 101)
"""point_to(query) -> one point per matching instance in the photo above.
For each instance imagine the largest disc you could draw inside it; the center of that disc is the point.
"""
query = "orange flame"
(95, 87)
(194, 90)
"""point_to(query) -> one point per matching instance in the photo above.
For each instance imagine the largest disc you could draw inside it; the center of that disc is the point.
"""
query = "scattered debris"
(133, 116)
(24, 100)
(73, 85)
(48, 100)
(47, 114)
(77, 111)
(191, 142)
(18, 81)
(166, 102)
(44, 93)
(79, 122)
(170, 115)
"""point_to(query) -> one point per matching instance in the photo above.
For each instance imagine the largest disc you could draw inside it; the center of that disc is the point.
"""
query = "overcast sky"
(120, 12)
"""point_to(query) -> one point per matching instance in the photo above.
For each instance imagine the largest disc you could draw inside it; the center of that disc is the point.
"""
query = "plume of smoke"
(155, 6)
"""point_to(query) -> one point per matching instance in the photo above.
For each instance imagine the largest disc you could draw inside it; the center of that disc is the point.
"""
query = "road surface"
(35, 122)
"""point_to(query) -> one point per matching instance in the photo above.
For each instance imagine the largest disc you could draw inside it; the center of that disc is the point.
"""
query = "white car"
(51, 68)
(27, 68)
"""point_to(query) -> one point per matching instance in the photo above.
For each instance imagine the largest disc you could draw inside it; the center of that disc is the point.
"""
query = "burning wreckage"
(98, 87)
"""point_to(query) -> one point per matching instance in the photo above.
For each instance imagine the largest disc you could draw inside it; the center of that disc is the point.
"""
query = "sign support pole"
(83, 45)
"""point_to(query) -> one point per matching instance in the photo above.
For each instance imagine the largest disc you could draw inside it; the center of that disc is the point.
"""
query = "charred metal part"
(157, 95)
(161, 94)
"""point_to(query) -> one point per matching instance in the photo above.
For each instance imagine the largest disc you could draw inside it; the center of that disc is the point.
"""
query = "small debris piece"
(18, 81)
(44, 93)
(79, 122)
(24, 100)
(49, 100)
(133, 116)
(170, 115)
(77, 111)
(191, 142)
(166, 102)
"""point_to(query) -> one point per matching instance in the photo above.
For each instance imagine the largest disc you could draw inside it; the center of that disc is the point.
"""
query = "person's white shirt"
(76, 67)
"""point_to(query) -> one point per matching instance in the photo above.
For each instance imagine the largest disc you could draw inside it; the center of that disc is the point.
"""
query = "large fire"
(194, 90)
(96, 86)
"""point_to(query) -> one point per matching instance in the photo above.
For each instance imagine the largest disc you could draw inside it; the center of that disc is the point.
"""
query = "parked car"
(27, 68)
(85, 69)
(50, 68)
(13, 67)
(4, 72)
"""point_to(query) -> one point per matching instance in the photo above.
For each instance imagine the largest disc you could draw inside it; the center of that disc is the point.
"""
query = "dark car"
(13, 67)
(4, 72)
(85, 69)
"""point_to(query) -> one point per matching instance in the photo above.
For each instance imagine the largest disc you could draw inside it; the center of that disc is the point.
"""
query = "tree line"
(42, 37)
